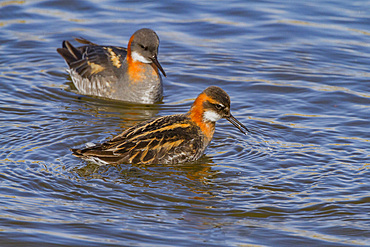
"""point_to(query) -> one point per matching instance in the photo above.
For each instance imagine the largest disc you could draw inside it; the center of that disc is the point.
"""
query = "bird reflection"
(201, 171)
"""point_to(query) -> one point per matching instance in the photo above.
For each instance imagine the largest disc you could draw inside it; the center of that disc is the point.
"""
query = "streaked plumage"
(115, 72)
(170, 139)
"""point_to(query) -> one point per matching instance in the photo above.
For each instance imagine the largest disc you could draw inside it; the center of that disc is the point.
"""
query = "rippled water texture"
(298, 76)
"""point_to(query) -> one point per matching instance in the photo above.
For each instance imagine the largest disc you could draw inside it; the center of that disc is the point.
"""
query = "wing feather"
(162, 140)
(93, 60)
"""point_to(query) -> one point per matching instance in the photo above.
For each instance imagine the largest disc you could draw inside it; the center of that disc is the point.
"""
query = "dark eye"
(144, 47)
(219, 106)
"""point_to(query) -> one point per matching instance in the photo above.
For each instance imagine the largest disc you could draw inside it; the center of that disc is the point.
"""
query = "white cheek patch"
(137, 57)
(211, 116)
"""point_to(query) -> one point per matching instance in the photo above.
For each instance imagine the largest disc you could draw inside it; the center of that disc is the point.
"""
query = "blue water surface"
(298, 76)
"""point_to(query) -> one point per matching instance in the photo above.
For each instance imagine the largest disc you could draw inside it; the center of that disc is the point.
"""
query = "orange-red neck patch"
(196, 115)
(136, 69)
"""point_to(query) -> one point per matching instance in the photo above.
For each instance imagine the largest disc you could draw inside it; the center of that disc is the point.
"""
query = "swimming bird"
(115, 72)
(170, 139)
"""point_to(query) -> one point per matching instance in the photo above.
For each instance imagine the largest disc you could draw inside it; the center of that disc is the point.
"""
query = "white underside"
(90, 144)
(147, 98)
(95, 160)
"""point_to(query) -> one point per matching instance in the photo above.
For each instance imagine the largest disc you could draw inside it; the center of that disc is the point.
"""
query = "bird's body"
(116, 72)
(169, 139)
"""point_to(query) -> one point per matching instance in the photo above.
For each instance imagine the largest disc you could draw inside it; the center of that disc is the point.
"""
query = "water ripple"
(298, 82)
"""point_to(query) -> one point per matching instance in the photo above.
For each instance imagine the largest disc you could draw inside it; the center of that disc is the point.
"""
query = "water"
(298, 77)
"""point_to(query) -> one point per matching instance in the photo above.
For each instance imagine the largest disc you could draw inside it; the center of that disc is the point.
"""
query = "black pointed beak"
(155, 61)
(237, 124)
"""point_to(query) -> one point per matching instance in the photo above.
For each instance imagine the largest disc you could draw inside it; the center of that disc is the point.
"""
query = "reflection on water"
(128, 113)
(297, 74)
(198, 172)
